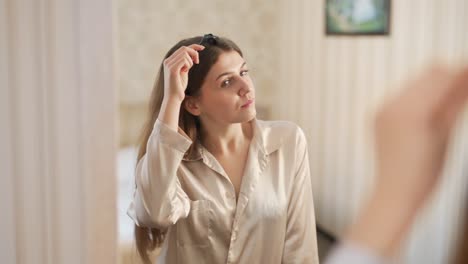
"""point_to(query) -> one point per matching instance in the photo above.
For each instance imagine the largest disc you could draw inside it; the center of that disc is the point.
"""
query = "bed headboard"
(133, 116)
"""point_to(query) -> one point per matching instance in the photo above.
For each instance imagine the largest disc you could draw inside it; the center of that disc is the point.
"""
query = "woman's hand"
(176, 69)
(413, 129)
(412, 132)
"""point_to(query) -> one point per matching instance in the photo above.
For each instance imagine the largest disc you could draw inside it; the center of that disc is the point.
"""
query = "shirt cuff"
(176, 139)
(352, 253)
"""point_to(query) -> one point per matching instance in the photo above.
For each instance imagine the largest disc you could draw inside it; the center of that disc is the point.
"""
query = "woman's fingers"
(176, 68)
(413, 130)
(187, 63)
(197, 47)
(183, 58)
(191, 50)
(436, 92)
(455, 98)
(437, 97)
(183, 62)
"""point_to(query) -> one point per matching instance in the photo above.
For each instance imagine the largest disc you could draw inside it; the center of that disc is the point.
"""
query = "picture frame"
(357, 17)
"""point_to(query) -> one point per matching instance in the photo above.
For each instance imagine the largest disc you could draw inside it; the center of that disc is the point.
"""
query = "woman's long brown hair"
(148, 239)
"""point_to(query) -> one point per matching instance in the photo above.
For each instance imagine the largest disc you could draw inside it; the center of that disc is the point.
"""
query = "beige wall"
(147, 29)
(333, 85)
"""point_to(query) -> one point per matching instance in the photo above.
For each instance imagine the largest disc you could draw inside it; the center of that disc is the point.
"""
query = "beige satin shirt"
(272, 220)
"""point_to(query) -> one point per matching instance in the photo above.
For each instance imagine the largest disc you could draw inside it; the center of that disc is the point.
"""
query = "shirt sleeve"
(352, 253)
(301, 238)
(159, 200)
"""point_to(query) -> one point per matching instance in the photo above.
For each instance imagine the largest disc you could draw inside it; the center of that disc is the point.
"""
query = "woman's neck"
(221, 140)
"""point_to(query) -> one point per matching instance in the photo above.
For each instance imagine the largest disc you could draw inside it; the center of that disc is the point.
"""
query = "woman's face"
(227, 94)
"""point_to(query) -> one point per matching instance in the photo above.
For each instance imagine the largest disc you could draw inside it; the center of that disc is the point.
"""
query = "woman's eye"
(244, 72)
(226, 83)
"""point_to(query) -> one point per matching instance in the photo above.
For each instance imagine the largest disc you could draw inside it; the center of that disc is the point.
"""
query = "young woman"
(213, 183)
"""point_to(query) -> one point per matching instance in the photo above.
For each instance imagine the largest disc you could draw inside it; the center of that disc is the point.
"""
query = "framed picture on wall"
(357, 17)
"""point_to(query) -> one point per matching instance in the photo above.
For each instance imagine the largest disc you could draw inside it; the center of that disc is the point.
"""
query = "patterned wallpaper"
(147, 29)
(339, 81)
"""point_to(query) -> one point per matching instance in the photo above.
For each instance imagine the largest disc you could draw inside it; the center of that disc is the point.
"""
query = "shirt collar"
(266, 141)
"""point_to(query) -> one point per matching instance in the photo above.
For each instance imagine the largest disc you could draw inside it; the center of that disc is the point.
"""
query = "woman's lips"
(249, 102)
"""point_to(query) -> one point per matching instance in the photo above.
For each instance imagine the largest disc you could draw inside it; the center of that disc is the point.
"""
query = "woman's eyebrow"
(226, 73)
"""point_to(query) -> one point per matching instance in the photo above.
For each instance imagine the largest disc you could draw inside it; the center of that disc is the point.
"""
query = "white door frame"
(58, 132)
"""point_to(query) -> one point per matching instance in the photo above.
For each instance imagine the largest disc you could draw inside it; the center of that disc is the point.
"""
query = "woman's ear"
(192, 106)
